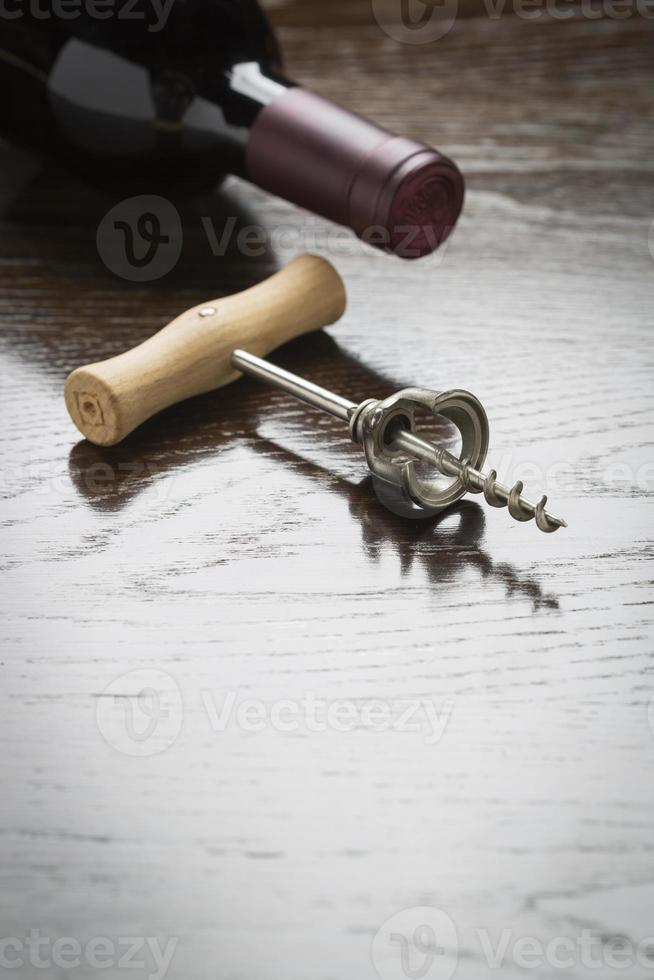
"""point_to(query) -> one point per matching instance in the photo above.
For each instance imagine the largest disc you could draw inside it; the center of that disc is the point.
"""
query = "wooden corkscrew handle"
(191, 355)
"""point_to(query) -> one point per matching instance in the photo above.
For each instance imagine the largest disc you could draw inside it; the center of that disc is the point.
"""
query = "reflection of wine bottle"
(168, 95)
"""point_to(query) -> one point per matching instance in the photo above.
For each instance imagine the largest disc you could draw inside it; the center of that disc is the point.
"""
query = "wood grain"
(232, 548)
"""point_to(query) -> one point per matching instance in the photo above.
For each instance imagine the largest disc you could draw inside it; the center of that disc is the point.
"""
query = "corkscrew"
(203, 349)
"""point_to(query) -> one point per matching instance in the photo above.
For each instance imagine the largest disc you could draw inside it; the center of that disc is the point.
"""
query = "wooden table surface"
(232, 551)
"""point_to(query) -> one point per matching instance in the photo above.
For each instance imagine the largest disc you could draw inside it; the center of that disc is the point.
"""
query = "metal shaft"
(300, 388)
(496, 494)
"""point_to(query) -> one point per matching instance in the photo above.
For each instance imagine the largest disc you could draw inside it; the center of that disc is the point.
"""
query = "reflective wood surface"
(232, 550)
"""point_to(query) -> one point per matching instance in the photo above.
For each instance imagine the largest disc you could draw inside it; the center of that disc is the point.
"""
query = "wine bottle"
(168, 95)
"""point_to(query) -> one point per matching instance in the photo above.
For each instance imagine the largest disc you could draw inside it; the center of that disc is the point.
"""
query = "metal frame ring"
(396, 479)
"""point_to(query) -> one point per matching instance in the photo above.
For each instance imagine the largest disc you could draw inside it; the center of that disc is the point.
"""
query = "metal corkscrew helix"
(387, 431)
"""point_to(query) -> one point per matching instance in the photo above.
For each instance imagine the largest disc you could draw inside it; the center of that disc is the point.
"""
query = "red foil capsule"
(398, 194)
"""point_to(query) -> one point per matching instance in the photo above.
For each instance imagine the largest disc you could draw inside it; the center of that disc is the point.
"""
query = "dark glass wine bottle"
(168, 95)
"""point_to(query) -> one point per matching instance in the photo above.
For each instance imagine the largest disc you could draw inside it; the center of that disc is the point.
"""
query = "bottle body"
(180, 92)
(140, 100)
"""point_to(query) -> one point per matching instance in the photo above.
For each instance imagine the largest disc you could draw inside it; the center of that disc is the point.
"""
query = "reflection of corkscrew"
(459, 546)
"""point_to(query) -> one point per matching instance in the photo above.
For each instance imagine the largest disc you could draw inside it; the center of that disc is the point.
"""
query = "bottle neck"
(222, 112)
(253, 87)
(397, 194)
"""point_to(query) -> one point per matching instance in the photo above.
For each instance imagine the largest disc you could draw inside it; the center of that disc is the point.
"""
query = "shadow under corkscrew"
(452, 548)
